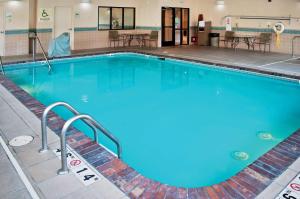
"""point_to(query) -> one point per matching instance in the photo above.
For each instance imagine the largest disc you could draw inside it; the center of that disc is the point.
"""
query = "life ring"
(279, 29)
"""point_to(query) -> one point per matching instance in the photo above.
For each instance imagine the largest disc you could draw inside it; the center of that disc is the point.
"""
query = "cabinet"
(203, 36)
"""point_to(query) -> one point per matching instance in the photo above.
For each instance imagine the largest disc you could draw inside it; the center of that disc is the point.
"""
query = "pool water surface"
(181, 123)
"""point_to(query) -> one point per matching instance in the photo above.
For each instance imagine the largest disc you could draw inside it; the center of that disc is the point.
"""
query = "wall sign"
(9, 16)
(228, 23)
(45, 14)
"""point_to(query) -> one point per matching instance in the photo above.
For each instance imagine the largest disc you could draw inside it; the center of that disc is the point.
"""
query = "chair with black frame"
(113, 36)
(264, 39)
(153, 37)
(228, 38)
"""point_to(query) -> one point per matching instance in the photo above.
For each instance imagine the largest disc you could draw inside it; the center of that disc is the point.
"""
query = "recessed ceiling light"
(220, 2)
(85, 1)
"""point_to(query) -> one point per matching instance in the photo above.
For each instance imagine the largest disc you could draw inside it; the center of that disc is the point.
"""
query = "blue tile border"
(82, 29)
(76, 29)
(26, 31)
(16, 32)
(157, 28)
(43, 30)
(287, 31)
(148, 28)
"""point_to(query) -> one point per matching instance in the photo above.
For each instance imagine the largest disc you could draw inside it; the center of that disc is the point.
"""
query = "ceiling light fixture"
(220, 2)
(85, 1)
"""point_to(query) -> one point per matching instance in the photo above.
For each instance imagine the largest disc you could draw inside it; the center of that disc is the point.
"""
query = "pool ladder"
(88, 120)
(1, 66)
(293, 45)
(35, 37)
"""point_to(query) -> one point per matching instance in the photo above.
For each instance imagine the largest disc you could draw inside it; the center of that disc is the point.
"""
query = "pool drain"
(265, 136)
(20, 140)
(240, 155)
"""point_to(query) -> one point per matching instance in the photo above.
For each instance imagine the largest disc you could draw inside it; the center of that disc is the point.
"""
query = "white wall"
(148, 12)
(16, 14)
(19, 15)
(253, 8)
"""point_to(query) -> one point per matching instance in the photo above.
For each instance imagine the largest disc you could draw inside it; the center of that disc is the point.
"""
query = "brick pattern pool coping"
(248, 183)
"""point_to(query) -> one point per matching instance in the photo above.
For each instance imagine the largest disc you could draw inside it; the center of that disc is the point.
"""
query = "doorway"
(175, 26)
(63, 22)
(2, 31)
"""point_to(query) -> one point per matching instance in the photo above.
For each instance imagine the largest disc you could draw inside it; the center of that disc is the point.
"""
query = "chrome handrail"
(293, 46)
(44, 123)
(44, 53)
(64, 167)
(1, 66)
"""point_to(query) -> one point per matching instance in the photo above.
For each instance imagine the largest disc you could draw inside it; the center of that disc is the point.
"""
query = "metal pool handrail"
(293, 46)
(44, 54)
(44, 123)
(1, 66)
(64, 168)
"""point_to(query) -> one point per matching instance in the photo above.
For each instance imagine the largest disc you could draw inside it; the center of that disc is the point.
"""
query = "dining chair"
(228, 38)
(264, 40)
(153, 37)
(113, 36)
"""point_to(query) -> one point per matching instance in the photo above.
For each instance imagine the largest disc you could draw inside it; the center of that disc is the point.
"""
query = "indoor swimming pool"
(180, 123)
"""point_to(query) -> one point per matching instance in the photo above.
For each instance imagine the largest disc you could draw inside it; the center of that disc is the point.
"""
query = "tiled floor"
(16, 120)
(10, 183)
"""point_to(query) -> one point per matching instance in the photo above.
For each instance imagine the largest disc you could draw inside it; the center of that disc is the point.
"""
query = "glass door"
(178, 26)
(175, 26)
(168, 27)
(185, 32)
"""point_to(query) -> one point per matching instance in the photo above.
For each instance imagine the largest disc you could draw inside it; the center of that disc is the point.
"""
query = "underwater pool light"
(240, 155)
(265, 135)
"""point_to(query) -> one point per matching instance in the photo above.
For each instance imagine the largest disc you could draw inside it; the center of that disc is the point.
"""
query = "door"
(63, 23)
(185, 28)
(175, 26)
(2, 31)
(178, 24)
(168, 34)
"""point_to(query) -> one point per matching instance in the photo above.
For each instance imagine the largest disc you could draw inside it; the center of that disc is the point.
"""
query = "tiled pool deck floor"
(261, 179)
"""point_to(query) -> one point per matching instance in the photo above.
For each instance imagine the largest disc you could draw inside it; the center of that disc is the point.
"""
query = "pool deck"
(16, 120)
(20, 116)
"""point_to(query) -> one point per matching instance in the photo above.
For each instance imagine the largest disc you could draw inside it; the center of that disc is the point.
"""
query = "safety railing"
(64, 168)
(43, 51)
(1, 66)
(45, 119)
(293, 44)
(86, 119)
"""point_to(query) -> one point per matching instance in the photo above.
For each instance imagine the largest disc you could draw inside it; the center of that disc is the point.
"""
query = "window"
(104, 18)
(116, 18)
(129, 18)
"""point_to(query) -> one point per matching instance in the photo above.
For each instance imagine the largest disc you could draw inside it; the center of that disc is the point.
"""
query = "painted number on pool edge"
(292, 191)
(81, 170)
(86, 175)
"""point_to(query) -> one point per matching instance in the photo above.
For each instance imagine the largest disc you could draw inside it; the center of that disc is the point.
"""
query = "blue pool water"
(179, 123)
